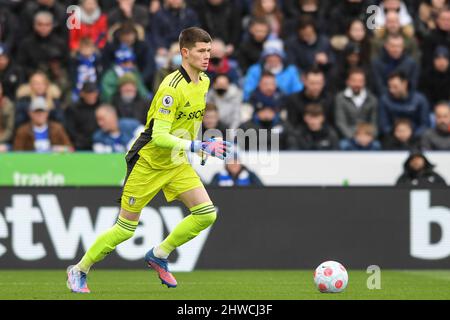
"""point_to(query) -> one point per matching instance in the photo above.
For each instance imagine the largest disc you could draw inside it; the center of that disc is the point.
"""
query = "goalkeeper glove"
(214, 147)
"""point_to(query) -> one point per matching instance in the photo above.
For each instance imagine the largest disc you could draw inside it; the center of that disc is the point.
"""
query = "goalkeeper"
(158, 160)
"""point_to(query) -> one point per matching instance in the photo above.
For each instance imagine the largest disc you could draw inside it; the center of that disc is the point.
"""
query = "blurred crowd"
(317, 74)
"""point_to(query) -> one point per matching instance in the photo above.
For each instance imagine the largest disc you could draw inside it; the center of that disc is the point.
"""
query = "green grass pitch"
(222, 285)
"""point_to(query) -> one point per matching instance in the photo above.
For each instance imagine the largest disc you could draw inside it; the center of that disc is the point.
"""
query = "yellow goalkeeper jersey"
(181, 102)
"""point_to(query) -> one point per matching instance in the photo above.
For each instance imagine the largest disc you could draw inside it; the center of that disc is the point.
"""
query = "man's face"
(395, 47)
(308, 34)
(4, 62)
(403, 132)
(128, 91)
(266, 114)
(314, 84)
(398, 88)
(417, 163)
(90, 98)
(356, 82)
(259, 31)
(175, 4)
(267, 85)
(106, 120)
(43, 26)
(233, 167)
(39, 117)
(90, 6)
(393, 23)
(442, 113)
(443, 21)
(314, 122)
(198, 56)
(441, 64)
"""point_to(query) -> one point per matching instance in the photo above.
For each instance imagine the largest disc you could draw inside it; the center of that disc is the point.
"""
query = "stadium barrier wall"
(257, 228)
(277, 169)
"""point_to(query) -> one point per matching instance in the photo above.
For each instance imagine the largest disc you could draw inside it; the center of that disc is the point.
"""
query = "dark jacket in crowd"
(303, 54)
(244, 178)
(36, 52)
(295, 105)
(431, 42)
(58, 10)
(343, 13)
(414, 107)
(8, 27)
(384, 65)
(435, 85)
(80, 123)
(425, 178)
(325, 139)
(222, 21)
(277, 129)
(139, 14)
(167, 25)
(248, 53)
(136, 109)
(390, 142)
(11, 78)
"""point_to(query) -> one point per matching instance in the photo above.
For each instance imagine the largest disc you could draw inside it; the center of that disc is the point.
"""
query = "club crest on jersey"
(167, 101)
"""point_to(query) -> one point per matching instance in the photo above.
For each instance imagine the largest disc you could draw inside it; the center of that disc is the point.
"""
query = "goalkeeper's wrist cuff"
(195, 146)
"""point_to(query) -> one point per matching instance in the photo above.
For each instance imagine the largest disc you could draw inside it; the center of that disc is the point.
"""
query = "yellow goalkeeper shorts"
(143, 183)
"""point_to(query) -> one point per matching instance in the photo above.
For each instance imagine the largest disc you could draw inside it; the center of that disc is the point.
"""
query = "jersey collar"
(185, 74)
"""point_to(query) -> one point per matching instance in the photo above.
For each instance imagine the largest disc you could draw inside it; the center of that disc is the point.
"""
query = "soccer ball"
(330, 277)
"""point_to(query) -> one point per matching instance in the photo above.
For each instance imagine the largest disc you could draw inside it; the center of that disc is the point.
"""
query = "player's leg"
(122, 230)
(203, 214)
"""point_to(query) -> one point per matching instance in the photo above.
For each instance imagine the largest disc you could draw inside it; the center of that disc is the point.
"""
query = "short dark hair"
(314, 109)
(400, 121)
(306, 21)
(259, 20)
(314, 70)
(211, 107)
(356, 70)
(188, 37)
(398, 74)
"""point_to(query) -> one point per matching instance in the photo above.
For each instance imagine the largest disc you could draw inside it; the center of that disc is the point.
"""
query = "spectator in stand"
(364, 139)
(425, 20)
(356, 104)
(350, 58)
(40, 134)
(316, 133)
(127, 35)
(114, 134)
(211, 125)
(128, 102)
(6, 121)
(403, 102)
(127, 10)
(358, 35)
(38, 86)
(235, 174)
(294, 9)
(8, 26)
(266, 116)
(309, 48)
(36, 50)
(172, 63)
(271, 11)
(398, 6)
(249, 51)
(393, 27)
(438, 138)
(435, 82)
(228, 99)
(394, 58)
(314, 93)
(220, 63)
(418, 172)
(168, 22)
(80, 121)
(56, 9)
(222, 20)
(341, 14)
(85, 66)
(402, 136)
(273, 60)
(438, 37)
(125, 63)
(11, 75)
(93, 25)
